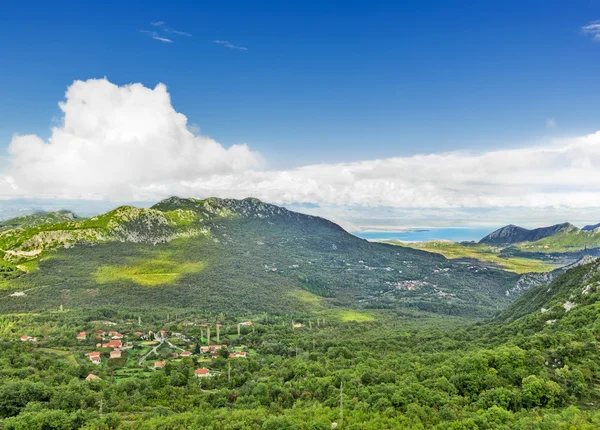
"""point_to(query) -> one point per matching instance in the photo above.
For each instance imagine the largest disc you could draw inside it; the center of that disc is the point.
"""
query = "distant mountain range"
(559, 238)
(512, 234)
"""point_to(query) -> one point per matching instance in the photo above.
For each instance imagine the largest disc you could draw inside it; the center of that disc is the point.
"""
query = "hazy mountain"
(591, 227)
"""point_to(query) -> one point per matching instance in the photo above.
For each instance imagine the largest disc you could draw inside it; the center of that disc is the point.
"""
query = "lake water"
(457, 234)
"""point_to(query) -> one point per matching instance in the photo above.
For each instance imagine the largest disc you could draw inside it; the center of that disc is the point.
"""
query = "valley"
(237, 314)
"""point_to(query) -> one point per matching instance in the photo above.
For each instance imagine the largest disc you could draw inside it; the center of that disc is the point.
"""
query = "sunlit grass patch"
(305, 297)
(156, 271)
(355, 316)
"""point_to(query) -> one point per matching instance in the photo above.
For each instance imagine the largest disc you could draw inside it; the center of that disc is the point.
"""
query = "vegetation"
(397, 369)
(481, 252)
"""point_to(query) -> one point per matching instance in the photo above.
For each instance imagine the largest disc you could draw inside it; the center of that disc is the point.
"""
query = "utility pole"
(218, 330)
(208, 335)
(239, 328)
(101, 405)
(229, 372)
(139, 320)
(341, 403)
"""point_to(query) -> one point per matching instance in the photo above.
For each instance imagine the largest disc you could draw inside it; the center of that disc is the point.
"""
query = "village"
(130, 352)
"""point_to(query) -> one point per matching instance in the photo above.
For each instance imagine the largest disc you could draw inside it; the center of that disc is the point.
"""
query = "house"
(162, 333)
(81, 336)
(26, 338)
(116, 335)
(246, 323)
(238, 354)
(185, 353)
(92, 377)
(115, 344)
(95, 357)
(202, 372)
(115, 354)
(139, 333)
(298, 325)
(109, 323)
(159, 364)
(174, 355)
(211, 348)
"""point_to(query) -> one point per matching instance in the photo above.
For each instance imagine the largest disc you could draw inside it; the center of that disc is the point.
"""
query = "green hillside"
(480, 252)
(392, 369)
(573, 240)
(232, 255)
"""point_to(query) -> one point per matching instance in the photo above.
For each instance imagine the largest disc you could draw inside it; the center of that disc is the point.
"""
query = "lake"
(456, 234)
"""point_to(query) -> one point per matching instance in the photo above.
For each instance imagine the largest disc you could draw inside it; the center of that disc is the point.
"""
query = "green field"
(150, 272)
(485, 253)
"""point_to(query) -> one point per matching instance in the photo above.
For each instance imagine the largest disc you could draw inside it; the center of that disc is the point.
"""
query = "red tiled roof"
(202, 371)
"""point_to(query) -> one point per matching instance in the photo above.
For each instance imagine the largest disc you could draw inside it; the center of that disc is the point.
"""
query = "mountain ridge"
(512, 234)
(207, 252)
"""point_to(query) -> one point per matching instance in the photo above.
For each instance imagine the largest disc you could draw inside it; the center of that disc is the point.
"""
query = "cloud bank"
(129, 143)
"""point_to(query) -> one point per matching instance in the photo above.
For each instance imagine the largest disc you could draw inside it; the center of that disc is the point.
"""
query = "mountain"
(226, 255)
(591, 227)
(575, 291)
(38, 219)
(512, 234)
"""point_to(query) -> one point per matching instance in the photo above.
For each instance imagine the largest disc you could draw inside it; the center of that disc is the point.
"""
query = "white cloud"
(112, 140)
(229, 45)
(550, 123)
(593, 28)
(154, 35)
(166, 29)
(129, 143)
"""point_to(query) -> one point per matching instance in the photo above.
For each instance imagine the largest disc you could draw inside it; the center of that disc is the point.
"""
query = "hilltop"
(232, 255)
(512, 234)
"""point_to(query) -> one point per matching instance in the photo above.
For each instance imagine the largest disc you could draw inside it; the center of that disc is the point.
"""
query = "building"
(95, 357)
(26, 338)
(116, 335)
(92, 377)
(115, 344)
(139, 333)
(202, 372)
(115, 354)
(185, 353)
(81, 336)
(159, 364)
(238, 354)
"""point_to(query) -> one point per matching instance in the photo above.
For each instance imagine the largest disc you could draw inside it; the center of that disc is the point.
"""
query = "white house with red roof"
(115, 354)
(95, 357)
(159, 364)
(81, 336)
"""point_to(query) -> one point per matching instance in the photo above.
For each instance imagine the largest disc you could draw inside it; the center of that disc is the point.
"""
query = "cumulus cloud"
(112, 140)
(129, 143)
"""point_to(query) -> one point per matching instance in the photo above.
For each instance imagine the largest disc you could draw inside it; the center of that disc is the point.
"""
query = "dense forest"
(535, 366)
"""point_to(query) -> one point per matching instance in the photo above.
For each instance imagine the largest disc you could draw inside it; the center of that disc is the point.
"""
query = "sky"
(406, 113)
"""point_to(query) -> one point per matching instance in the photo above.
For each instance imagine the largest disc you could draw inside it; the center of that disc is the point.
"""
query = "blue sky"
(319, 82)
